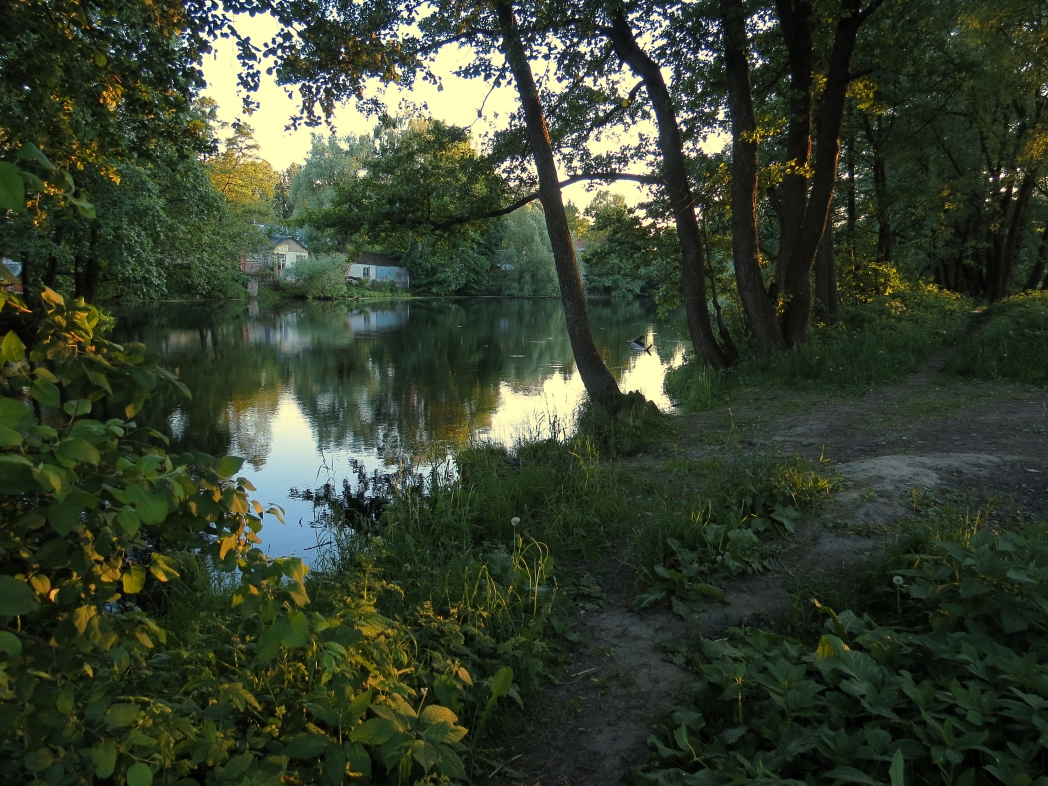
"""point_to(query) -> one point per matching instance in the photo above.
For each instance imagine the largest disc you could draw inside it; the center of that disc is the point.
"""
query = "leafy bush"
(99, 529)
(318, 276)
(1013, 344)
(946, 684)
(877, 343)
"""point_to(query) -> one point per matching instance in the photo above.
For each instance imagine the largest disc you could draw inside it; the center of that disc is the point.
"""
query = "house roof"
(276, 240)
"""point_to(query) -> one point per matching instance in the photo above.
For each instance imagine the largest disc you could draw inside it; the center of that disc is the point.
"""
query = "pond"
(303, 390)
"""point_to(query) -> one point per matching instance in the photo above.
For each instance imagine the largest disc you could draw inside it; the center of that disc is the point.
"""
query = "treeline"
(425, 194)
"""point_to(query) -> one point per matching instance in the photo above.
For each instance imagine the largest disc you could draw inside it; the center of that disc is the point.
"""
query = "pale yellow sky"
(456, 104)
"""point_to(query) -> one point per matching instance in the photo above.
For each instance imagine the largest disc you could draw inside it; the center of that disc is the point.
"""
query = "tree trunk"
(600, 384)
(826, 277)
(795, 25)
(997, 283)
(757, 304)
(824, 179)
(677, 187)
(880, 194)
(1039, 265)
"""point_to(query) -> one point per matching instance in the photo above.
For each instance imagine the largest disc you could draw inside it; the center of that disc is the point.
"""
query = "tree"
(525, 256)
(407, 198)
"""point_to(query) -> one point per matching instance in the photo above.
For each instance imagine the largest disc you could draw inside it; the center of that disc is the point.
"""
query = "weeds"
(877, 343)
(940, 680)
(1013, 345)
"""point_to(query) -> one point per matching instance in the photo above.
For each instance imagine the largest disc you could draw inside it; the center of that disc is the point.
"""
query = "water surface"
(299, 390)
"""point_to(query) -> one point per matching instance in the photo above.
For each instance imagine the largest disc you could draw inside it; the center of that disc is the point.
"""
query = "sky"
(457, 104)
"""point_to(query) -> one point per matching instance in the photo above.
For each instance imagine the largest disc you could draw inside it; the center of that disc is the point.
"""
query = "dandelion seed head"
(897, 581)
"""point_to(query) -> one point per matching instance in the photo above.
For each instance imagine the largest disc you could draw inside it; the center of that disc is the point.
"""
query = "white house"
(286, 252)
(372, 267)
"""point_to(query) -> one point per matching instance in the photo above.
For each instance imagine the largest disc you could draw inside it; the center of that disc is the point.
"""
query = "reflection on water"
(299, 390)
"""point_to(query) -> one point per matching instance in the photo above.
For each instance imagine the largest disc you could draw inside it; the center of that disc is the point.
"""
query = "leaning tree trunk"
(678, 189)
(600, 384)
(756, 302)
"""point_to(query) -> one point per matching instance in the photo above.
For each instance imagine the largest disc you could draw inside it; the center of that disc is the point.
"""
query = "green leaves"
(12, 187)
(16, 597)
(11, 349)
(139, 774)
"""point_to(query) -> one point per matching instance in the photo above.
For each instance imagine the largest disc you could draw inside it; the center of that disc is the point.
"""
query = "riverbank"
(538, 611)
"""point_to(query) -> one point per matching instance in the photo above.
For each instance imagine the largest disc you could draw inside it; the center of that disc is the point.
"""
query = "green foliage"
(100, 528)
(525, 256)
(418, 194)
(1012, 344)
(622, 252)
(877, 343)
(724, 532)
(942, 684)
(318, 276)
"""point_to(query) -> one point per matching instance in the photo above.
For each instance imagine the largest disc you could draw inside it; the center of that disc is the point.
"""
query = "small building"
(287, 251)
(373, 267)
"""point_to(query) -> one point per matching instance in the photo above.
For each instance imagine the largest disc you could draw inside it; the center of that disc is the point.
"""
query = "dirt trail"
(925, 433)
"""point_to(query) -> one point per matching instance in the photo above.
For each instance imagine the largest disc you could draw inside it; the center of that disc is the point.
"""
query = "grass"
(1011, 345)
(877, 343)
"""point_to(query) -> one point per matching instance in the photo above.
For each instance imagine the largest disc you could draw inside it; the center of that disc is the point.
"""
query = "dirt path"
(925, 433)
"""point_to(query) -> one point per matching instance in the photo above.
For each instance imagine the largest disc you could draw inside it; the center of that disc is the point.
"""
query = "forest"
(846, 202)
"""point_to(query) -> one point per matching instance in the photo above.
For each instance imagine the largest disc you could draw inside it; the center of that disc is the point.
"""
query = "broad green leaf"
(373, 731)
(16, 597)
(358, 758)
(80, 450)
(139, 774)
(77, 408)
(38, 759)
(501, 682)
(14, 413)
(66, 699)
(46, 393)
(10, 643)
(103, 755)
(133, 579)
(449, 763)
(30, 152)
(335, 765)
(12, 187)
(87, 210)
(64, 515)
(229, 466)
(120, 715)
(151, 508)
(308, 746)
(163, 567)
(9, 438)
(12, 349)
(425, 754)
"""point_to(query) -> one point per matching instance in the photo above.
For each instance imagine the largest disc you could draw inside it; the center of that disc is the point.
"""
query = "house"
(372, 267)
(286, 252)
(15, 270)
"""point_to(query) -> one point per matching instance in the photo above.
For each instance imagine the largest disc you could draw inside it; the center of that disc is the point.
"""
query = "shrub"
(318, 276)
(1013, 344)
(101, 532)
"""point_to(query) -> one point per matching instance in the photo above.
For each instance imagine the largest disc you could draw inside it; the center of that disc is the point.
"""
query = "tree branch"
(528, 198)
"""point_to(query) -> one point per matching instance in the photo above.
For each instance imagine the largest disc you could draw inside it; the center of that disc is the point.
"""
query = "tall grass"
(876, 343)
(1012, 345)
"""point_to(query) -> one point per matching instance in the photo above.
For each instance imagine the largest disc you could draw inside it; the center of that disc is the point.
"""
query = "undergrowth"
(876, 343)
(939, 678)
(1012, 345)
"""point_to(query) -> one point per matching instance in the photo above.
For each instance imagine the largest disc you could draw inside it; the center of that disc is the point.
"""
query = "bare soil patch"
(927, 434)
